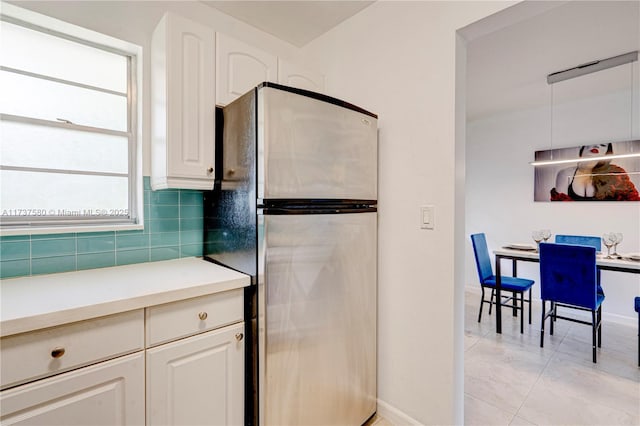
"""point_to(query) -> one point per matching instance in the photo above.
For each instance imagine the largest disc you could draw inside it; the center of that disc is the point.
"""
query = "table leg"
(498, 297)
(514, 273)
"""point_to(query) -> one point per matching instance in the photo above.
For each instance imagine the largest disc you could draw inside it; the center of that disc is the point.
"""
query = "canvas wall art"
(615, 179)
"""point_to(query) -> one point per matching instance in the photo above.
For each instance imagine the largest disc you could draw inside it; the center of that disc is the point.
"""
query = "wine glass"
(546, 234)
(617, 240)
(537, 237)
(609, 241)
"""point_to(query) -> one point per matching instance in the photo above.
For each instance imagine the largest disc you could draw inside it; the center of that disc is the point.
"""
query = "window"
(69, 151)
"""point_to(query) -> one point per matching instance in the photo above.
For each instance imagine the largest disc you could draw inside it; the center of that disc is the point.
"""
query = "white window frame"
(135, 220)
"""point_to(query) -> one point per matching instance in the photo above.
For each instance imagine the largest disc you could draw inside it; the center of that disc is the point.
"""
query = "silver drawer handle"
(239, 336)
(203, 316)
(57, 352)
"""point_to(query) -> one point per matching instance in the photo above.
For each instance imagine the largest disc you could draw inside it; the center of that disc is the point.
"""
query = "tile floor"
(510, 380)
(378, 421)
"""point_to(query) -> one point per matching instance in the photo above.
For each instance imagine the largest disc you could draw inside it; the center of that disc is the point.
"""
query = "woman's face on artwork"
(594, 150)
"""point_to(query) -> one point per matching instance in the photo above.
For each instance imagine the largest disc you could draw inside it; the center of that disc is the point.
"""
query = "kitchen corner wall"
(173, 228)
(405, 70)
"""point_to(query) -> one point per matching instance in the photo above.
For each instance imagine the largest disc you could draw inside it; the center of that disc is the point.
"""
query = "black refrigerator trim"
(318, 96)
(315, 210)
(314, 202)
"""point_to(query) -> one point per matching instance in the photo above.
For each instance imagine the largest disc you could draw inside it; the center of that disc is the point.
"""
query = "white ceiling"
(507, 69)
(297, 22)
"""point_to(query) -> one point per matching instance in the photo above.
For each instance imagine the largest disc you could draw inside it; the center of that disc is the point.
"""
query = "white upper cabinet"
(294, 75)
(183, 104)
(240, 67)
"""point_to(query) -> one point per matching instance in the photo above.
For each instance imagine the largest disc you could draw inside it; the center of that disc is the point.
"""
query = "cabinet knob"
(210, 170)
(57, 352)
(203, 316)
(239, 336)
(231, 171)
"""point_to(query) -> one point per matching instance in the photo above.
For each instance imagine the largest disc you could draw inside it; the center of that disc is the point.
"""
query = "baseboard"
(395, 416)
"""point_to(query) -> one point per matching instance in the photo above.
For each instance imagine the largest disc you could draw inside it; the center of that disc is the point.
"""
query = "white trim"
(61, 81)
(70, 229)
(394, 415)
(61, 171)
(62, 125)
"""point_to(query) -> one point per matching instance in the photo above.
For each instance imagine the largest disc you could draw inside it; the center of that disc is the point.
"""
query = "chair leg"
(522, 312)
(515, 303)
(553, 317)
(600, 326)
(492, 296)
(593, 334)
(542, 325)
(481, 303)
(529, 305)
(639, 339)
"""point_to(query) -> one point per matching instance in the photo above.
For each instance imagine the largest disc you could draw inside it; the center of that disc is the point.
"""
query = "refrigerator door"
(311, 148)
(317, 318)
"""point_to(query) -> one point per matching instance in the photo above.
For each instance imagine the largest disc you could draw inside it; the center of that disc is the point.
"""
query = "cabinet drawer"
(187, 317)
(42, 353)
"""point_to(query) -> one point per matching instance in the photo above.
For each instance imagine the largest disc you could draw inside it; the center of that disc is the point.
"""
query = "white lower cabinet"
(198, 380)
(108, 393)
(93, 372)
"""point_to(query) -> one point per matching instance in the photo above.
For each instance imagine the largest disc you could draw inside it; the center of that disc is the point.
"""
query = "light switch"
(427, 217)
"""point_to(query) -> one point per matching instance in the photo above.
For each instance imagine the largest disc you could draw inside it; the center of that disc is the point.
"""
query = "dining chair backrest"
(568, 274)
(483, 261)
(581, 240)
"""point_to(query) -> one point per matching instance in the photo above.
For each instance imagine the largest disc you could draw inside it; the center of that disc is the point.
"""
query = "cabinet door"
(183, 104)
(192, 108)
(198, 380)
(108, 393)
(240, 67)
(294, 75)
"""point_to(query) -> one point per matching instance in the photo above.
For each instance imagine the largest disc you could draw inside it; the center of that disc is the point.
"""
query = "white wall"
(134, 21)
(398, 59)
(500, 180)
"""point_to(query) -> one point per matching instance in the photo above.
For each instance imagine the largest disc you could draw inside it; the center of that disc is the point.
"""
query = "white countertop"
(31, 303)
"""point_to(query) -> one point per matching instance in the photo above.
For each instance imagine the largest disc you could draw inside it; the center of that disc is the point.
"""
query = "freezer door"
(312, 149)
(317, 319)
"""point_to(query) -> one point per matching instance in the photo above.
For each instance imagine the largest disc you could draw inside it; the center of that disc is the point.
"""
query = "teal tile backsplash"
(173, 228)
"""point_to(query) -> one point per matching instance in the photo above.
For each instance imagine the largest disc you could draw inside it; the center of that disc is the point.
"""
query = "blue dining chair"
(637, 302)
(583, 240)
(568, 278)
(517, 286)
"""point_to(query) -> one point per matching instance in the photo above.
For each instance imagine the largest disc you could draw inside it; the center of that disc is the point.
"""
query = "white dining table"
(602, 264)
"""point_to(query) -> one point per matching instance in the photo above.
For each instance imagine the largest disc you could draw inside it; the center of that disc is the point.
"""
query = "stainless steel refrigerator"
(294, 206)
